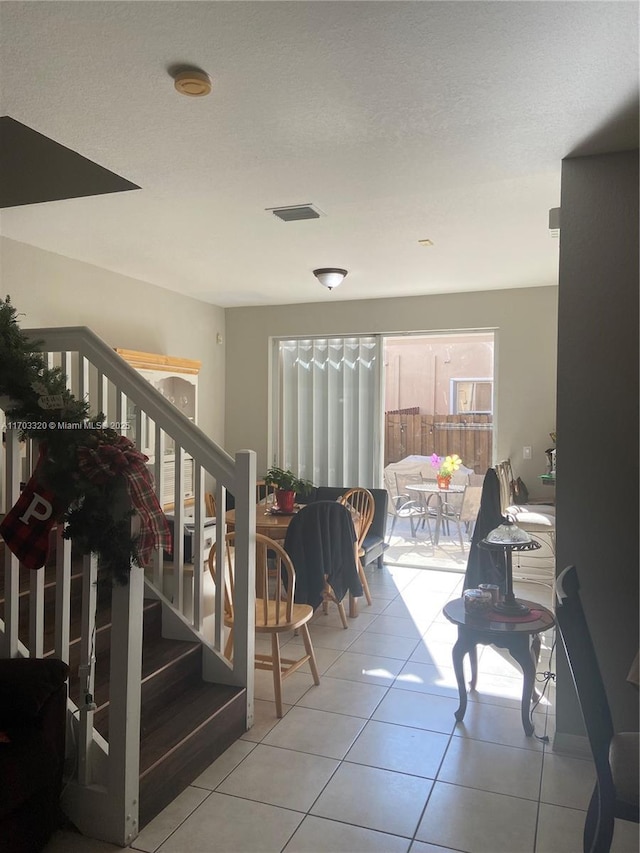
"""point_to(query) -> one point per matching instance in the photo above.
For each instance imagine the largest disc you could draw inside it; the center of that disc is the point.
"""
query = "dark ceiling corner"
(619, 133)
(34, 168)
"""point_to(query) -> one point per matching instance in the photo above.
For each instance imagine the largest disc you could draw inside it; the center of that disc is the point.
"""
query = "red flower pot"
(285, 500)
(443, 482)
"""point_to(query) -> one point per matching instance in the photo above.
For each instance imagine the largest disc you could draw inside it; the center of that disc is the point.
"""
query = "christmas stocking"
(26, 526)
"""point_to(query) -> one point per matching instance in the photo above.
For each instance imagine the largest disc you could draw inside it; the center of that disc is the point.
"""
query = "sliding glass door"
(327, 409)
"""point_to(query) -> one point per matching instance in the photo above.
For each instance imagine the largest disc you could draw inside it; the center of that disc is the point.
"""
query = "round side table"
(520, 638)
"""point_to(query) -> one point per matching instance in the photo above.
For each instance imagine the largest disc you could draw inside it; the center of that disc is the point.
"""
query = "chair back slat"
(362, 506)
(275, 580)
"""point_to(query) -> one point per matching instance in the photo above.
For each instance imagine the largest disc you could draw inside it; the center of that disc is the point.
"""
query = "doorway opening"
(438, 401)
(438, 397)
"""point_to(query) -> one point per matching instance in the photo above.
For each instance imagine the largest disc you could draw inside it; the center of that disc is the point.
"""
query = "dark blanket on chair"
(486, 566)
(320, 541)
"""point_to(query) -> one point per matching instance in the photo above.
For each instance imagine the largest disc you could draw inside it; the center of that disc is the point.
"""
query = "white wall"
(51, 290)
(525, 321)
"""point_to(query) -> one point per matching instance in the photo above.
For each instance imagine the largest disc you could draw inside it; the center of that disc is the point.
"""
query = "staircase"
(152, 699)
(185, 722)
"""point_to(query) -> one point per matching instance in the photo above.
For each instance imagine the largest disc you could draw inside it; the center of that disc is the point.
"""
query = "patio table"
(424, 492)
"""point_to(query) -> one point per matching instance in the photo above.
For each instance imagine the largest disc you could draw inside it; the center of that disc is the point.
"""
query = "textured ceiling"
(399, 120)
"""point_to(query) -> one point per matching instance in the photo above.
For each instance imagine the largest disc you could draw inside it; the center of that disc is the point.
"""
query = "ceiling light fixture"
(330, 277)
(192, 82)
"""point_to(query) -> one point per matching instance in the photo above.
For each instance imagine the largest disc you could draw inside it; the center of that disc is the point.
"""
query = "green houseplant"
(287, 485)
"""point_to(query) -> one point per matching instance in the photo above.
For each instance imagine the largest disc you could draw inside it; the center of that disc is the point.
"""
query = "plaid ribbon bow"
(123, 458)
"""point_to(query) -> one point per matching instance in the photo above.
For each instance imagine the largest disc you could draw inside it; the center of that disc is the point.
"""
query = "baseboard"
(575, 745)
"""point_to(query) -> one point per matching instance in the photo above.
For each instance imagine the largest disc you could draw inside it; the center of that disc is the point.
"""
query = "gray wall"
(525, 324)
(51, 290)
(597, 491)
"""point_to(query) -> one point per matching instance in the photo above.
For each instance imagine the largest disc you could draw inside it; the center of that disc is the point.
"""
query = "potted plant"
(287, 485)
(446, 466)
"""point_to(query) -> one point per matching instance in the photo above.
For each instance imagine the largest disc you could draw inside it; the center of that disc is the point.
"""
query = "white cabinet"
(177, 380)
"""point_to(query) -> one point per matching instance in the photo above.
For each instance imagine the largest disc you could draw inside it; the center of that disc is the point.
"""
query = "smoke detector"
(192, 82)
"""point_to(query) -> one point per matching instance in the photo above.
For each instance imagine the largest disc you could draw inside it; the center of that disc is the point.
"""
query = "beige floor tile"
(66, 841)
(625, 837)
(425, 678)
(399, 748)
(383, 644)
(371, 669)
(438, 582)
(170, 818)
(232, 824)
(441, 631)
(222, 766)
(374, 798)
(264, 719)
(324, 658)
(484, 822)
(295, 686)
(433, 652)
(317, 833)
(332, 618)
(494, 661)
(280, 777)
(560, 829)
(499, 725)
(419, 612)
(567, 781)
(421, 710)
(395, 626)
(330, 638)
(492, 767)
(421, 847)
(344, 697)
(316, 732)
(378, 604)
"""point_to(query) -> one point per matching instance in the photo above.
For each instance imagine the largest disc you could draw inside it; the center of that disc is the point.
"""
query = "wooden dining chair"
(362, 506)
(210, 504)
(263, 491)
(321, 541)
(276, 612)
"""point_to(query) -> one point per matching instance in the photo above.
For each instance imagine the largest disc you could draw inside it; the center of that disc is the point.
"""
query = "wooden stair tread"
(180, 720)
(158, 654)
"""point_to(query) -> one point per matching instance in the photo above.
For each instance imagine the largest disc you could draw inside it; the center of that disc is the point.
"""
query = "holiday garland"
(86, 468)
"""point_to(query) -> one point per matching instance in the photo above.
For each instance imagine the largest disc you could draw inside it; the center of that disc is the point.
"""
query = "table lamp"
(507, 538)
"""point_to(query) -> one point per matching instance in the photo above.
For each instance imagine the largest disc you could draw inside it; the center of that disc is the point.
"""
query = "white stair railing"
(102, 796)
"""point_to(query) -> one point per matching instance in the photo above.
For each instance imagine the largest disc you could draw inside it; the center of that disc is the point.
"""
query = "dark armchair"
(33, 713)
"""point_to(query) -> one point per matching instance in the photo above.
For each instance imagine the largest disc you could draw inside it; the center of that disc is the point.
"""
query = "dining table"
(274, 524)
(424, 491)
(269, 522)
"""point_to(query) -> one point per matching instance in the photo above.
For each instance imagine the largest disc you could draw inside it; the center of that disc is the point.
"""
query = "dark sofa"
(33, 715)
(374, 544)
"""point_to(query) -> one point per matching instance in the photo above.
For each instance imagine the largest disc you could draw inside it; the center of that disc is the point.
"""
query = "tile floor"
(372, 759)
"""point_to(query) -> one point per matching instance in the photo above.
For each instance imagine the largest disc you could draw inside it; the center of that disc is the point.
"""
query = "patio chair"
(402, 506)
(465, 513)
(615, 755)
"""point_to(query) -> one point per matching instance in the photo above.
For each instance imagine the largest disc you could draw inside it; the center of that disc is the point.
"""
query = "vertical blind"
(327, 409)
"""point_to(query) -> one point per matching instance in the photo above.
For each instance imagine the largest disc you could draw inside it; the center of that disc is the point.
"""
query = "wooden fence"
(470, 436)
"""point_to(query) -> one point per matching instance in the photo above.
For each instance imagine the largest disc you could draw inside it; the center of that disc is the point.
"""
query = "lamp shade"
(507, 534)
(330, 277)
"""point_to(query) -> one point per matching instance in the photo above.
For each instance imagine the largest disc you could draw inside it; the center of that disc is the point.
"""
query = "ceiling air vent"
(295, 212)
